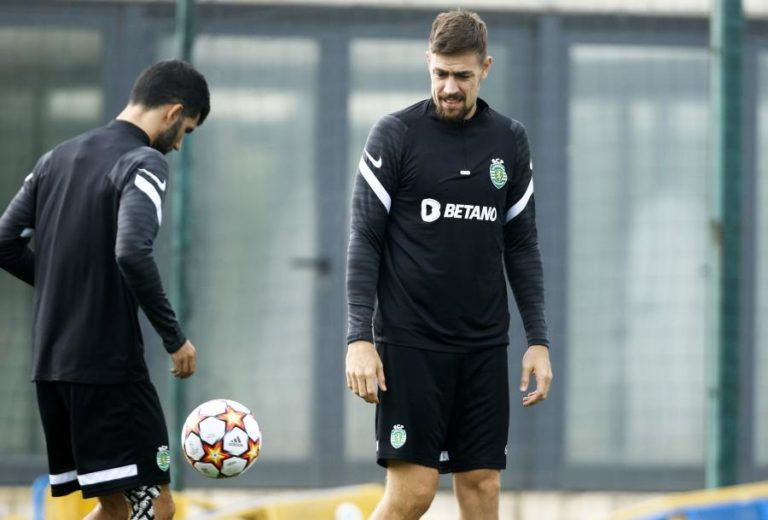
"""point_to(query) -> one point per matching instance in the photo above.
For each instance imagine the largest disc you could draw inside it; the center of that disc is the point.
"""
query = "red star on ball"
(254, 447)
(194, 424)
(215, 454)
(233, 418)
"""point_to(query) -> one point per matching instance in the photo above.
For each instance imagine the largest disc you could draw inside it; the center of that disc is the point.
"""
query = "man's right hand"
(184, 361)
(365, 372)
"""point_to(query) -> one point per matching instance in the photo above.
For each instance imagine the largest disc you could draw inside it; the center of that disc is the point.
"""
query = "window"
(252, 203)
(637, 228)
(50, 90)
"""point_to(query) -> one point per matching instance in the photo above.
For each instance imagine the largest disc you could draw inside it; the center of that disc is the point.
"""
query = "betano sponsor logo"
(431, 210)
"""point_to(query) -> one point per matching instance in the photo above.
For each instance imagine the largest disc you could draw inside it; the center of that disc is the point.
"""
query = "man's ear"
(173, 112)
(486, 66)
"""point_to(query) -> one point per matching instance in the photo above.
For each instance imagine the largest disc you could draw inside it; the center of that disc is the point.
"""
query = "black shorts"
(103, 439)
(448, 411)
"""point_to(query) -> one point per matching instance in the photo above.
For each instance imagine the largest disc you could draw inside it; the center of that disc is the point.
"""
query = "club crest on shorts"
(163, 458)
(498, 173)
(398, 436)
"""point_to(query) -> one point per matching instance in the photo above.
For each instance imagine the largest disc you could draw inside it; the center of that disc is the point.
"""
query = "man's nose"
(451, 85)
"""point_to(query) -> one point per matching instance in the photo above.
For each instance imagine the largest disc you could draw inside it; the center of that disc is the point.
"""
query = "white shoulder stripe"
(520, 204)
(108, 475)
(28, 177)
(374, 183)
(160, 184)
(151, 192)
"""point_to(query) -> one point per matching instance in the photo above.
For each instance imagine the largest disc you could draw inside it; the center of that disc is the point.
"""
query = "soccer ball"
(221, 438)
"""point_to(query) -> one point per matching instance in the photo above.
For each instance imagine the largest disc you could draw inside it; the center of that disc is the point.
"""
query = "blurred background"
(615, 95)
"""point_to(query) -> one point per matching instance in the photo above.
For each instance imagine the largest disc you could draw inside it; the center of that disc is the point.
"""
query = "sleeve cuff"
(174, 344)
(351, 338)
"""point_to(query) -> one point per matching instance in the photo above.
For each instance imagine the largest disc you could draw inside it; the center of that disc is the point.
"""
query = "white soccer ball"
(221, 439)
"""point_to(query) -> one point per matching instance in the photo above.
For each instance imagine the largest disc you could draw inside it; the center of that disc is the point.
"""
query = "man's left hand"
(536, 362)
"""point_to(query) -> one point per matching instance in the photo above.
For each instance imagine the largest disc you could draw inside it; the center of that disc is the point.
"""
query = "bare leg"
(478, 493)
(164, 506)
(110, 507)
(408, 493)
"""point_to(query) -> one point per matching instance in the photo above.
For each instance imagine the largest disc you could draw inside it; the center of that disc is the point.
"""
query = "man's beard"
(459, 116)
(164, 142)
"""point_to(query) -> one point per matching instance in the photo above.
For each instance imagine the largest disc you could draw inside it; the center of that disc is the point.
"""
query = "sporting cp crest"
(498, 173)
(163, 458)
(398, 436)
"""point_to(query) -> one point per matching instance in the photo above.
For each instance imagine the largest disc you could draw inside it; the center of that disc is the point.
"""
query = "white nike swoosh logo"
(374, 162)
(160, 184)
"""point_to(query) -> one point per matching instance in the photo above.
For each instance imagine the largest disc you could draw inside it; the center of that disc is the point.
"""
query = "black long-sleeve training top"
(95, 206)
(438, 210)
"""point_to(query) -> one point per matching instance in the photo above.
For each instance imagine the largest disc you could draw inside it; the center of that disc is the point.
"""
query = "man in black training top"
(95, 205)
(442, 203)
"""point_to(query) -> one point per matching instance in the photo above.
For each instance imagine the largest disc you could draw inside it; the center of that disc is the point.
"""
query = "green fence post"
(185, 10)
(726, 29)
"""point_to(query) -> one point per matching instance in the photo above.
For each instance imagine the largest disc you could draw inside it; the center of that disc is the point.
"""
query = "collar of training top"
(480, 111)
(120, 124)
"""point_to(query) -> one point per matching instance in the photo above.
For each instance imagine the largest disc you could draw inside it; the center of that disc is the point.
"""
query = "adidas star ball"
(221, 439)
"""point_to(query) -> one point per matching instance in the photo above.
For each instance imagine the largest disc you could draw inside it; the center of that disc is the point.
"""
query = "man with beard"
(94, 204)
(442, 204)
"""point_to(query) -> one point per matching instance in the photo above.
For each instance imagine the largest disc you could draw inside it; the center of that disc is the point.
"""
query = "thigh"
(119, 437)
(110, 506)
(412, 415)
(479, 425)
(52, 402)
(406, 480)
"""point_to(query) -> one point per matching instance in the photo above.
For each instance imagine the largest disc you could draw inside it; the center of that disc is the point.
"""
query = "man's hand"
(184, 361)
(536, 362)
(365, 372)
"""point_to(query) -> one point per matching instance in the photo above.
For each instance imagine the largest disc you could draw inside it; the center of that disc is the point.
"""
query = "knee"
(421, 498)
(485, 484)
(489, 487)
(414, 500)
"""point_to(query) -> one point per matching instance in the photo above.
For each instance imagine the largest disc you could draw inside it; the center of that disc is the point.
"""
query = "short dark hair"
(173, 81)
(457, 32)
